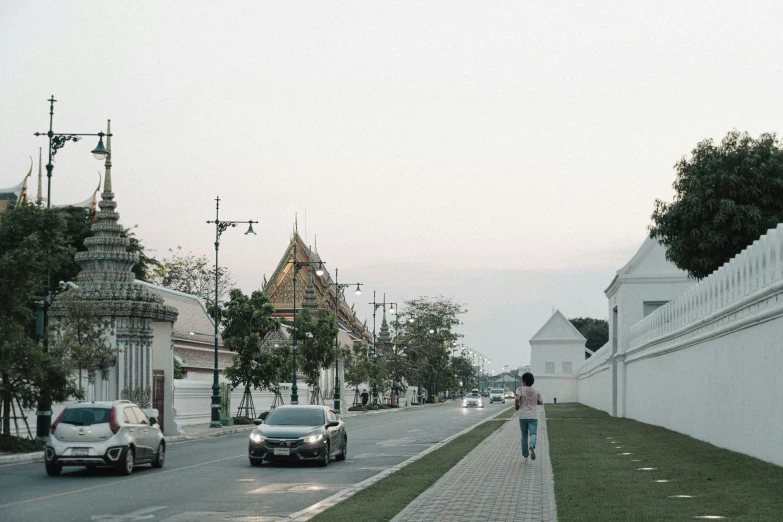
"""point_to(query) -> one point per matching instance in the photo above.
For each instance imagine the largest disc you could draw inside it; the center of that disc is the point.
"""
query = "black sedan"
(298, 433)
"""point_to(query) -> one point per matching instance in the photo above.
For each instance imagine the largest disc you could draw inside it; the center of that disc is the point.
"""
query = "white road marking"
(140, 514)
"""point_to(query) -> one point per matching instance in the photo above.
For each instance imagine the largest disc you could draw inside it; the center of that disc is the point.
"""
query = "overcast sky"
(505, 155)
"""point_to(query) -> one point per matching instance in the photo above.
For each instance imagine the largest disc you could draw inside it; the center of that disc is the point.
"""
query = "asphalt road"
(211, 479)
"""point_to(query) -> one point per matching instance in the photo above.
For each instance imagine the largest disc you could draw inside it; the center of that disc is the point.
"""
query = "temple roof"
(279, 288)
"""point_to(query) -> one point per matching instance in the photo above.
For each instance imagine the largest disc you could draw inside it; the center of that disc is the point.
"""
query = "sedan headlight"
(313, 438)
(256, 437)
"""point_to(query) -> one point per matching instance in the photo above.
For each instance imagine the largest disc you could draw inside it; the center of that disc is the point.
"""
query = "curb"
(309, 512)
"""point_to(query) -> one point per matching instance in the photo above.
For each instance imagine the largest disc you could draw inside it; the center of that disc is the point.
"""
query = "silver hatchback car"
(117, 434)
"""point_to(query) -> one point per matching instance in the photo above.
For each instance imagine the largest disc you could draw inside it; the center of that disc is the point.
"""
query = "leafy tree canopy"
(596, 331)
(315, 337)
(191, 274)
(32, 241)
(726, 197)
(247, 321)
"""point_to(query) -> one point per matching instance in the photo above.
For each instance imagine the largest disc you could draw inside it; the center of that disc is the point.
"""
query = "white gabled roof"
(558, 328)
(648, 263)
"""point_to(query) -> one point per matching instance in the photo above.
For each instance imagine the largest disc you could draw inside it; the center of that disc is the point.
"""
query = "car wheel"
(325, 460)
(344, 453)
(160, 456)
(126, 463)
(53, 470)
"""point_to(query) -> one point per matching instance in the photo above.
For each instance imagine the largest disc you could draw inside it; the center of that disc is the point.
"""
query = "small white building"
(557, 351)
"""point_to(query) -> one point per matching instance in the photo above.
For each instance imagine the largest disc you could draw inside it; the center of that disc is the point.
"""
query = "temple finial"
(107, 164)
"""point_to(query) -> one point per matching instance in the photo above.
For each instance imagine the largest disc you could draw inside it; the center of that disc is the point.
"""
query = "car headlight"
(256, 437)
(313, 438)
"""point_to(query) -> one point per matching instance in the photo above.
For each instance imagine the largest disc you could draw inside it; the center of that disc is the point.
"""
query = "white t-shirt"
(527, 406)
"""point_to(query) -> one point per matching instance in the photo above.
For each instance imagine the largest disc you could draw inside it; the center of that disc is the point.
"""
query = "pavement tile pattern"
(493, 482)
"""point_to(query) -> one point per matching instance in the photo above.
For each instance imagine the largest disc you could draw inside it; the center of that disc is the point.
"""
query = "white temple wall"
(707, 364)
(594, 384)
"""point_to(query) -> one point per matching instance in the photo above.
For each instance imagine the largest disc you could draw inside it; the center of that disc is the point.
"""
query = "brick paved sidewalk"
(492, 483)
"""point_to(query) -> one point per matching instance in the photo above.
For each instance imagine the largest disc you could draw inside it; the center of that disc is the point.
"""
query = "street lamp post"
(56, 142)
(375, 306)
(298, 265)
(337, 288)
(220, 227)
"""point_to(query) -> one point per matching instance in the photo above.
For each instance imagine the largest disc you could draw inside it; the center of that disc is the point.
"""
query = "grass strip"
(595, 481)
(390, 495)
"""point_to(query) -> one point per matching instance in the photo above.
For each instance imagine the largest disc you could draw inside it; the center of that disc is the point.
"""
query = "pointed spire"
(39, 197)
(107, 163)
(384, 338)
(315, 241)
(296, 224)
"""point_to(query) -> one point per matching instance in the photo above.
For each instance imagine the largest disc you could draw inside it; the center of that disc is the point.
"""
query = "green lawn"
(593, 481)
(387, 497)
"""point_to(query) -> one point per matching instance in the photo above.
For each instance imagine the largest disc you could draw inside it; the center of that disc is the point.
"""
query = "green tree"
(191, 274)
(83, 335)
(32, 242)
(247, 321)
(315, 335)
(596, 331)
(357, 366)
(726, 197)
(427, 333)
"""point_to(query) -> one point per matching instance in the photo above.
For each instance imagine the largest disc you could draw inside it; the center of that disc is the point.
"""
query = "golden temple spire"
(23, 194)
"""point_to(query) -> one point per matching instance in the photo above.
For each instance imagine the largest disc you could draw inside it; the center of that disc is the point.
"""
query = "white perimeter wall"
(726, 390)
(564, 388)
(594, 386)
(708, 364)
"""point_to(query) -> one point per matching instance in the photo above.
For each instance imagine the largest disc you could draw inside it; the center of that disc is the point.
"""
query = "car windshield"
(497, 391)
(295, 417)
(475, 395)
(86, 416)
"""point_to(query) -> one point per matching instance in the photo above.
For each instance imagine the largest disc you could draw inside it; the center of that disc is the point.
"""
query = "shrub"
(263, 415)
(17, 445)
(242, 420)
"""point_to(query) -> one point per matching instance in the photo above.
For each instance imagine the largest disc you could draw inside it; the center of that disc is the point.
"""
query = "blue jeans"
(528, 426)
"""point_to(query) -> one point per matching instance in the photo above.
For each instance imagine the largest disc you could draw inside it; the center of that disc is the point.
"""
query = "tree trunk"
(6, 407)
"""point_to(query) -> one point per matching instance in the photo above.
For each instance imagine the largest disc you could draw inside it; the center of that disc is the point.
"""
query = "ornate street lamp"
(319, 271)
(56, 141)
(220, 227)
(375, 306)
(337, 288)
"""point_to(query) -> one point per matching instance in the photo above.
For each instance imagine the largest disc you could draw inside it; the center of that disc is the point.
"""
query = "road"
(211, 479)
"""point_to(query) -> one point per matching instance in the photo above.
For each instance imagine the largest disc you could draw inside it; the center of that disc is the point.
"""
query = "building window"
(566, 367)
(549, 367)
(651, 306)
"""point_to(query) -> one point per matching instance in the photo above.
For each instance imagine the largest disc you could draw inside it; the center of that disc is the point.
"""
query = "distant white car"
(496, 395)
(473, 400)
(117, 434)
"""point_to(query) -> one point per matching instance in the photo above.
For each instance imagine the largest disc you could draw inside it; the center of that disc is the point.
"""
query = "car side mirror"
(258, 422)
(153, 421)
(332, 424)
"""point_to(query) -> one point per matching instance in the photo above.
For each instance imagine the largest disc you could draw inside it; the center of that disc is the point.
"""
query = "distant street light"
(337, 288)
(220, 227)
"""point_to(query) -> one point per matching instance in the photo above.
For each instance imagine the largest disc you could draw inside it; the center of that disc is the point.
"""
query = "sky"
(505, 155)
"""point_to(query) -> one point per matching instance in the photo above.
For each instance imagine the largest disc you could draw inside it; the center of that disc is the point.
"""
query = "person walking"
(365, 398)
(526, 399)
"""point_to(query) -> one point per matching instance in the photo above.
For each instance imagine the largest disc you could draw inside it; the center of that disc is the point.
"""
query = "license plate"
(80, 452)
(282, 451)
